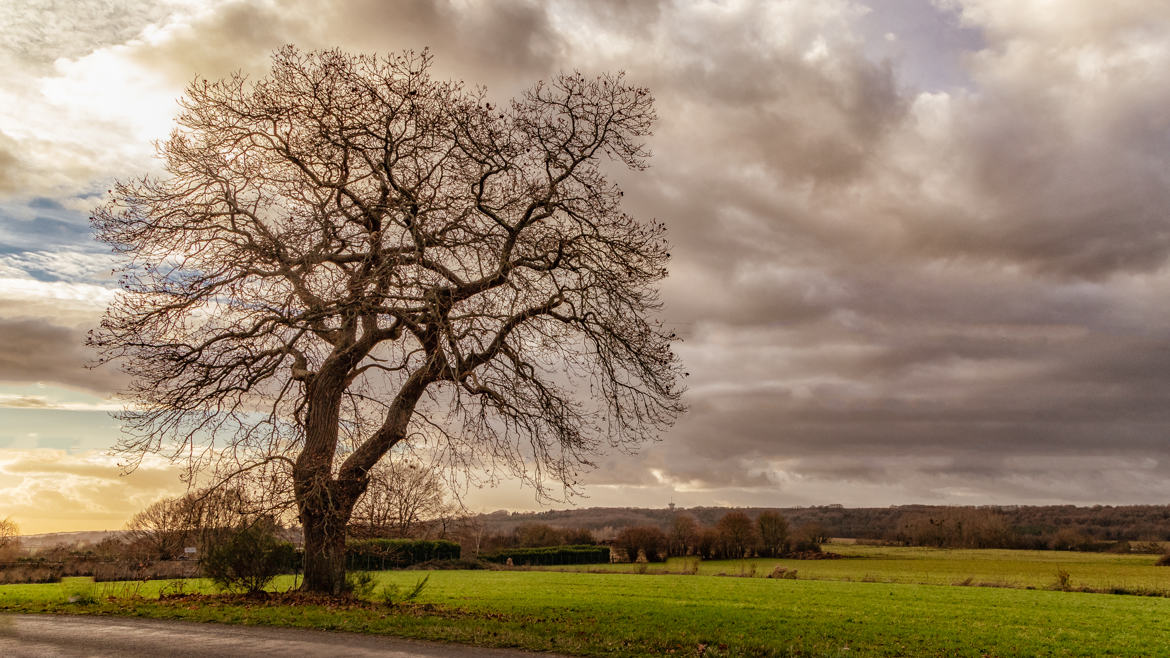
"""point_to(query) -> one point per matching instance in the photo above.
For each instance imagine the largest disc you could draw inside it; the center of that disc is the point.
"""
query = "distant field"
(628, 615)
(933, 566)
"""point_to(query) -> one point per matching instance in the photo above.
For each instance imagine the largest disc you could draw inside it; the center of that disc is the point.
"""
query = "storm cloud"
(920, 248)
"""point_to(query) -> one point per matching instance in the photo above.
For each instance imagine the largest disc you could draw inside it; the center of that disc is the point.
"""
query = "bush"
(360, 583)
(1163, 561)
(379, 554)
(247, 558)
(1063, 581)
(549, 555)
(801, 546)
(393, 595)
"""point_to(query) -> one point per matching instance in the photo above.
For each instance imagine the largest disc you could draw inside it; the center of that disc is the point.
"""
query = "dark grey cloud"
(501, 41)
(506, 45)
(990, 279)
(10, 173)
(920, 247)
(33, 351)
(906, 263)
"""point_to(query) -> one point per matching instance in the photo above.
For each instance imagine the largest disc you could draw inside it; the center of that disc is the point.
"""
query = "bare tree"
(164, 528)
(347, 254)
(470, 532)
(684, 535)
(773, 533)
(9, 539)
(402, 498)
(737, 534)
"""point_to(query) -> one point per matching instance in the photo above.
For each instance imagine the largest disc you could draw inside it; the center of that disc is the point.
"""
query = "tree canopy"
(347, 256)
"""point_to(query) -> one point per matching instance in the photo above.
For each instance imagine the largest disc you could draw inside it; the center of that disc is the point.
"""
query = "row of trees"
(983, 528)
(529, 535)
(1010, 526)
(1013, 526)
(735, 535)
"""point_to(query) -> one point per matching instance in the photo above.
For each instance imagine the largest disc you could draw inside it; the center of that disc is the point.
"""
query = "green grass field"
(933, 566)
(625, 614)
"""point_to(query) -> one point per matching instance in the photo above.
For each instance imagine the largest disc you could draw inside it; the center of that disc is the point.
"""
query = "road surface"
(35, 636)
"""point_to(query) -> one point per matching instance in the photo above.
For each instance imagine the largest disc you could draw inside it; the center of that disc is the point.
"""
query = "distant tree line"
(1057, 527)
(528, 535)
(157, 539)
(734, 535)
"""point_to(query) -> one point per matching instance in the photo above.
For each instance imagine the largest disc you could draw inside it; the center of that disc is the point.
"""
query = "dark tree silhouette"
(347, 254)
(648, 540)
(684, 535)
(773, 534)
(737, 534)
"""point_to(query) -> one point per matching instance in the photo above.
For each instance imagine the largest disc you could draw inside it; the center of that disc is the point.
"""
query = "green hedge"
(580, 554)
(378, 554)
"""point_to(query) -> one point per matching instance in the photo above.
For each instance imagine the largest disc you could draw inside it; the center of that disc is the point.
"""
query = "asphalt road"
(29, 636)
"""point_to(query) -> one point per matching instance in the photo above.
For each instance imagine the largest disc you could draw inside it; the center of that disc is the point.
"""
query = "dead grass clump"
(783, 573)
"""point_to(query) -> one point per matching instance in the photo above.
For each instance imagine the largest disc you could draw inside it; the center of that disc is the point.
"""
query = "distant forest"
(1100, 527)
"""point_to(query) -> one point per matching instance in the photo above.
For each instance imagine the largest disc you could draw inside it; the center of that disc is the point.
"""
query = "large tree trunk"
(325, 503)
(324, 550)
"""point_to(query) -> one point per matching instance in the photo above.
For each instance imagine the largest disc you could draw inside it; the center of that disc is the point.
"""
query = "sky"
(919, 246)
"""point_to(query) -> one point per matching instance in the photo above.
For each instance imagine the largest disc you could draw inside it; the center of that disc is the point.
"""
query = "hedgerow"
(377, 554)
(548, 555)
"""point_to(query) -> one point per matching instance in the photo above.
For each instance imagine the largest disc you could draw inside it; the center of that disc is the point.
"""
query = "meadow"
(631, 614)
(936, 566)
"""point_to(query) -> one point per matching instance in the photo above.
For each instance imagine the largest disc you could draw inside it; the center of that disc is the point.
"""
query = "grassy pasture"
(628, 615)
(933, 566)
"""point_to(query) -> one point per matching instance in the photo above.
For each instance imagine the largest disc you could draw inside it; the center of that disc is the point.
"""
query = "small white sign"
(190, 550)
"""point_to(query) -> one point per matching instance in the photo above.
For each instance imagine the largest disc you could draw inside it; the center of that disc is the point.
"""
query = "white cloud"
(67, 266)
(68, 304)
(44, 402)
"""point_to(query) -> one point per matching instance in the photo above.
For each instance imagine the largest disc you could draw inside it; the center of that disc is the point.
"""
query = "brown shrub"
(784, 573)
